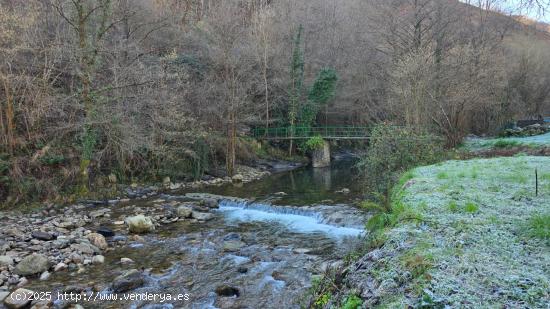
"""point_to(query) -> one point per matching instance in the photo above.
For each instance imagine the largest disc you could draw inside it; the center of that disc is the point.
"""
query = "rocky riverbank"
(70, 238)
(155, 239)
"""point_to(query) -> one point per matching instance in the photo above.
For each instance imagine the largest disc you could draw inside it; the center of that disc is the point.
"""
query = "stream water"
(266, 241)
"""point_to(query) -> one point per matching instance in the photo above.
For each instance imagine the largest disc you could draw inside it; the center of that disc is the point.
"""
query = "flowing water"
(260, 250)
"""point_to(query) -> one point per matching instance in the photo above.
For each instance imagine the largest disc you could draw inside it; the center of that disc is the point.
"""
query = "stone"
(227, 291)
(98, 259)
(6, 260)
(166, 181)
(344, 191)
(118, 222)
(61, 243)
(237, 178)
(42, 235)
(105, 231)
(301, 250)
(32, 264)
(22, 282)
(18, 298)
(280, 193)
(98, 240)
(76, 258)
(129, 280)
(184, 212)
(211, 203)
(60, 266)
(320, 157)
(242, 270)
(85, 248)
(204, 216)
(125, 261)
(140, 224)
(3, 295)
(45, 276)
(233, 245)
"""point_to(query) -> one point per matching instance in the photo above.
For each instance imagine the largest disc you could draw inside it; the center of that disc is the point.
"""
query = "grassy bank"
(481, 238)
(483, 144)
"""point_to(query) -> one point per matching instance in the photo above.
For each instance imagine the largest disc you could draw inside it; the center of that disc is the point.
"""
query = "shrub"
(394, 150)
(502, 143)
(314, 143)
(352, 302)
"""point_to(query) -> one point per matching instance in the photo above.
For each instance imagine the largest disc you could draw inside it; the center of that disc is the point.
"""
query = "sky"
(511, 6)
(534, 13)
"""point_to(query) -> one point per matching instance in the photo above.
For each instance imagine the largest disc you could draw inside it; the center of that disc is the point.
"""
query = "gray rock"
(125, 261)
(22, 282)
(45, 276)
(204, 216)
(61, 243)
(85, 248)
(42, 235)
(140, 224)
(98, 240)
(227, 291)
(237, 178)
(18, 299)
(98, 259)
(233, 245)
(6, 260)
(211, 203)
(129, 280)
(32, 264)
(3, 295)
(184, 212)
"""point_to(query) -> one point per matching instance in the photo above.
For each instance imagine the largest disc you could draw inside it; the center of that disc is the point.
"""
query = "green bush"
(314, 143)
(502, 143)
(352, 302)
(394, 150)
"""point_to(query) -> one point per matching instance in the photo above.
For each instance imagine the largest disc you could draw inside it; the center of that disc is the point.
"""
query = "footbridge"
(327, 133)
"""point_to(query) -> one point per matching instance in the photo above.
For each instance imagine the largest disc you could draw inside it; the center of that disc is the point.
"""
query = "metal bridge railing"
(340, 132)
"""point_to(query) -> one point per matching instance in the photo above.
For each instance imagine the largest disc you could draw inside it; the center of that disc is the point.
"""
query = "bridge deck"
(286, 133)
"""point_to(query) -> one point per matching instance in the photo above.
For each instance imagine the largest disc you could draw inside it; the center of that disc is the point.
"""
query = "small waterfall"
(294, 218)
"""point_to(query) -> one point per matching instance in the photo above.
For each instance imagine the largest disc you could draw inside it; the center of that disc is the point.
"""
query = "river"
(262, 248)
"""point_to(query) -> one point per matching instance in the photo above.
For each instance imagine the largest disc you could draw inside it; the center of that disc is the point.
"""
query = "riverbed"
(263, 245)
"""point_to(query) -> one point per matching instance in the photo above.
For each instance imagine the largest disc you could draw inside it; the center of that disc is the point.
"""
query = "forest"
(153, 88)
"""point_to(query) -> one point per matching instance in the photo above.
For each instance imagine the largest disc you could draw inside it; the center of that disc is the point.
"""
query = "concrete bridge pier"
(321, 156)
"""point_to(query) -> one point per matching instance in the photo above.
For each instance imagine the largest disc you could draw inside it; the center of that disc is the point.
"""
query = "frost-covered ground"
(474, 246)
(486, 143)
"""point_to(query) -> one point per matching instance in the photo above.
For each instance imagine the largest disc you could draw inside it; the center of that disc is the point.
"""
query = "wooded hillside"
(154, 88)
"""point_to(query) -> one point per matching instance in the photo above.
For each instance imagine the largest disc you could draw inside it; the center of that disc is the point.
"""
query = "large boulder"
(19, 298)
(32, 264)
(98, 240)
(6, 260)
(140, 224)
(129, 280)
